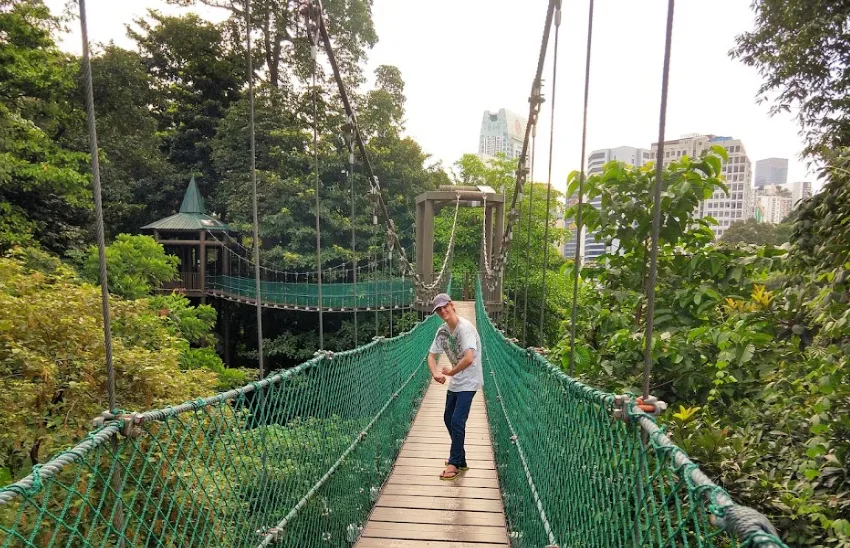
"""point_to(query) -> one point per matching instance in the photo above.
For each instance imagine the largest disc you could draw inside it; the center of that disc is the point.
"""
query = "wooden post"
(427, 269)
(225, 314)
(202, 268)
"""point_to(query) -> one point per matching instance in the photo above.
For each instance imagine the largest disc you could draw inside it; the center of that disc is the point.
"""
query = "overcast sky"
(461, 57)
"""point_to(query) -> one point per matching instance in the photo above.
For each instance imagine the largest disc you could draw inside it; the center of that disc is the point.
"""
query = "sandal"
(462, 468)
(444, 475)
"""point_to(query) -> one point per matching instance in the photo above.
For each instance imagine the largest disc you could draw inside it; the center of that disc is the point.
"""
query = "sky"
(462, 57)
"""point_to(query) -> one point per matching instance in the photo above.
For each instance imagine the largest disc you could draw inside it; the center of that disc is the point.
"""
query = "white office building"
(738, 204)
(592, 246)
(502, 131)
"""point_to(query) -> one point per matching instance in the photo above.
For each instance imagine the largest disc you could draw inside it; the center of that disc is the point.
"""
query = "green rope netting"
(371, 294)
(571, 475)
(297, 459)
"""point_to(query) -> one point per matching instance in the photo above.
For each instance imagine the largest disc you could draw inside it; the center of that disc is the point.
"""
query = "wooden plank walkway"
(418, 510)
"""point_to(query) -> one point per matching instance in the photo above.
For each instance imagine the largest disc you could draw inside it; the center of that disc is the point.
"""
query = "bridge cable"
(522, 171)
(256, 232)
(656, 206)
(579, 221)
(405, 264)
(98, 209)
(349, 141)
(549, 182)
(115, 479)
(528, 241)
(254, 208)
(313, 30)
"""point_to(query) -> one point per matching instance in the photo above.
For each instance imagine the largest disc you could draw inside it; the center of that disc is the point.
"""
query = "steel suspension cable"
(254, 208)
(534, 104)
(577, 260)
(549, 183)
(528, 242)
(656, 205)
(350, 143)
(98, 209)
(115, 474)
(318, 185)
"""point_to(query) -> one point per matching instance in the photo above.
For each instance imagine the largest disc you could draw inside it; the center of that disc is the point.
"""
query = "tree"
(283, 44)
(751, 231)
(198, 70)
(52, 366)
(43, 189)
(801, 51)
(383, 112)
(138, 182)
(135, 264)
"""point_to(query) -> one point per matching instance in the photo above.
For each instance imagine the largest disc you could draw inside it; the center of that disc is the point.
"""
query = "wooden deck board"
(418, 510)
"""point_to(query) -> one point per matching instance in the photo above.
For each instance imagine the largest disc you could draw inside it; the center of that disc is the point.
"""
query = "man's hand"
(440, 379)
(447, 371)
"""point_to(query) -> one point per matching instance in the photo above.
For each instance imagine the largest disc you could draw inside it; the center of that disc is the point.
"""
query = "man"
(458, 338)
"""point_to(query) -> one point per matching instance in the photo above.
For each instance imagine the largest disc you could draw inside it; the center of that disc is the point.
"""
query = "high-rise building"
(773, 204)
(737, 205)
(592, 246)
(771, 172)
(502, 131)
(801, 190)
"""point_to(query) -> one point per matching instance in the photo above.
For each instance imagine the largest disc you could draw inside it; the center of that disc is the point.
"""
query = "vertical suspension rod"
(656, 206)
(254, 207)
(549, 182)
(577, 260)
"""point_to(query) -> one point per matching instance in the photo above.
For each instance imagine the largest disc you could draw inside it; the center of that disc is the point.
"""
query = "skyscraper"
(592, 246)
(726, 208)
(502, 131)
(771, 172)
(800, 190)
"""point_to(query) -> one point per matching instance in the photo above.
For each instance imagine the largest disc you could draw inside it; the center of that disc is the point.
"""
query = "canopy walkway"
(415, 507)
(301, 457)
(392, 294)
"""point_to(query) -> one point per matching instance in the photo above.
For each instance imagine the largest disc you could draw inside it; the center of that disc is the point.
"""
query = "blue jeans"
(457, 411)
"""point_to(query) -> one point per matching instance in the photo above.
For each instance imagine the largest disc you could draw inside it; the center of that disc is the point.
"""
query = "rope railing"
(378, 294)
(572, 474)
(329, 431)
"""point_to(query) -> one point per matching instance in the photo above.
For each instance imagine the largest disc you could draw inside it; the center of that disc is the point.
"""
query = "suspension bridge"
(344, 449)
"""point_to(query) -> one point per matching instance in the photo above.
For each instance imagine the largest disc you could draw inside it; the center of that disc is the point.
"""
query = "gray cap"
(441, 299)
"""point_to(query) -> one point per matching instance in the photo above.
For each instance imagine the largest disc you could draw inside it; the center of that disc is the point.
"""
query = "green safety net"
(572, 475)
(371, 294)
(297, 459)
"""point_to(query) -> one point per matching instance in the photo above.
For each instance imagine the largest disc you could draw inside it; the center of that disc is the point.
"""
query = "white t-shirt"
(462, 339)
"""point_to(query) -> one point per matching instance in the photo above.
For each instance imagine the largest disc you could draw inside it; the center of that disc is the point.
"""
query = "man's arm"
(432, 365)
(463, 363)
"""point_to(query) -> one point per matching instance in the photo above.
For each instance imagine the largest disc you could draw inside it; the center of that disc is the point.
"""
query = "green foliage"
(52, 366)
(283, 50)
(798, 48)
(139, 185)
(43, 186)
(751, 231)
(135, 265)
(749, 345)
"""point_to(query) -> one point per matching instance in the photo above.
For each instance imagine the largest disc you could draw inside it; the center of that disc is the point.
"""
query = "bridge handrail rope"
(190, 459)
(317, 15)
(590, 422)
(335, 272)
(344, 266)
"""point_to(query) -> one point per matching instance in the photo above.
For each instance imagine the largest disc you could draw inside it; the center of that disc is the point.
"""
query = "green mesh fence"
(371, 294)
(571, 475)
(296, 459)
